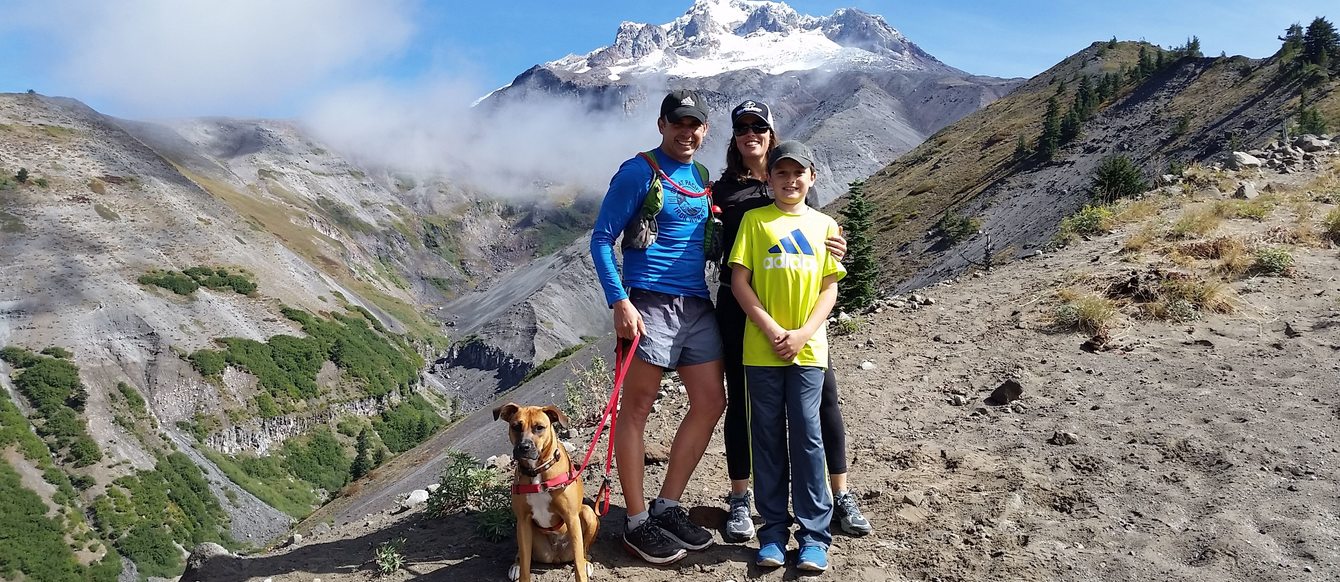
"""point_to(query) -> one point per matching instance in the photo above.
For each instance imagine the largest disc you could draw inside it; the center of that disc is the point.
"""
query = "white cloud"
(507, 151)
(175, 57)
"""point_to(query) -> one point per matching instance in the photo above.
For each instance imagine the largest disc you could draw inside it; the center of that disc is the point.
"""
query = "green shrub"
(57, 352)
(584, 392)
(551, 362)
(209, 363)
(1274, 261)
(956, 227)
(53, 388)
(318, 458)
(1117, 177)
(269, 481)
(1090, 220)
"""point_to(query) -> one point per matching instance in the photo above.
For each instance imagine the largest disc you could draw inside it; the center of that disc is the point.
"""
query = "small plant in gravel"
(388, 557)
(1084, 311)
(1274, 261)
(847, 326)
(466, 486)
(956, 227)
(1331, 225)
(584, 392)
(1090, 220)
(1141, 239)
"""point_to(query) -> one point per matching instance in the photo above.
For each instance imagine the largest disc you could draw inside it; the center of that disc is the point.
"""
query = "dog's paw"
(514, 573)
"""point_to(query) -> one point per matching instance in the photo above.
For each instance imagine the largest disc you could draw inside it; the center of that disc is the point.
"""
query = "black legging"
(731, 321)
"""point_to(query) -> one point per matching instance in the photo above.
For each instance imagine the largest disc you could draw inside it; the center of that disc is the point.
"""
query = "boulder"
(1244, 160)
(414, 498)
(1245, 191)
(1311, 143)
(1008, 391)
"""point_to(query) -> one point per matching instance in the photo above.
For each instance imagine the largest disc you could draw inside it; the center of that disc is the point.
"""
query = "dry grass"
(1142, 239)
(1256, 209)
(1195, 223)
(1129, 211)
(1084, 311)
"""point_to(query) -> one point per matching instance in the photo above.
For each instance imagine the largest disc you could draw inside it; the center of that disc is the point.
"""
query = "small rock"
(432, 488)
(843, 316)
(1290, 332)
(914, 498)
(1008, 391)
(1063, 438)
(919, 299)
(867, 365)
(913, 514)
(295, 539)
(1245, 191)
(656, 454)
(957, 400)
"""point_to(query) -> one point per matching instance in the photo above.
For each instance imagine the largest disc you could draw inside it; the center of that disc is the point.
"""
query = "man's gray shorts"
(681, 331)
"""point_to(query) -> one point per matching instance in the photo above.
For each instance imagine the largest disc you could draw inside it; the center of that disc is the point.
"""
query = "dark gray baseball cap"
(793, 150)
(683, 103)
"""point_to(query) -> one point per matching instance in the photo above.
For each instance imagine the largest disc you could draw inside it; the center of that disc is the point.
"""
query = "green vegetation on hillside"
(407, 424)
(143, 514)
(287, 366)
(33, 545)
(53, 388)
(186, 282)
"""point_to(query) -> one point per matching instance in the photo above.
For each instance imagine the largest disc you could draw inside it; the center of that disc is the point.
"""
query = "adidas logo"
(794, 252)
(795, 244)
(688, 102)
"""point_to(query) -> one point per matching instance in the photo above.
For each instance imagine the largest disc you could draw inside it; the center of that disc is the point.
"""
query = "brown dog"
(552, 523)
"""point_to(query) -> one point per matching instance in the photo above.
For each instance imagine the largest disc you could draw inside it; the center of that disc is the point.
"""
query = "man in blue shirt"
(661, 297)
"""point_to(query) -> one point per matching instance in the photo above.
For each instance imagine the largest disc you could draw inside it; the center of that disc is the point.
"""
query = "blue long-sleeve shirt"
(674, 263)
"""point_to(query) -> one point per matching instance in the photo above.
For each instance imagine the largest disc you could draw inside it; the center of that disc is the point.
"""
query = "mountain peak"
(717, 36)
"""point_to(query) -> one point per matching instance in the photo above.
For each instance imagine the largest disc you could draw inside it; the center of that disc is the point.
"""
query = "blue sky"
(275, 58)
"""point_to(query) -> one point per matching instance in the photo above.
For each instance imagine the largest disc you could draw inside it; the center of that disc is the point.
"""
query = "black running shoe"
(675, 521)
(652, 544)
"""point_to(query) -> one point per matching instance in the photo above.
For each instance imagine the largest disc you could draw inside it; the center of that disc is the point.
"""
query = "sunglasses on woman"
(759, 128)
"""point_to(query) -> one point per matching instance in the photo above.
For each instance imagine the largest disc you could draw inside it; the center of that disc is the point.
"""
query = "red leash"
(623, 360)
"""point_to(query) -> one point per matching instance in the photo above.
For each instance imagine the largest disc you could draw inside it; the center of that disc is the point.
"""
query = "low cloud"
(513, 150)
(158, 58)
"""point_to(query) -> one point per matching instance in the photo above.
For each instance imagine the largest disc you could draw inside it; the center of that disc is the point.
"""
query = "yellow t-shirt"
(789, 261)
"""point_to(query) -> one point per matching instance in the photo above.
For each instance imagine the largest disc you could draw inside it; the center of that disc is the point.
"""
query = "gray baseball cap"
(794, 150)
(682, 103)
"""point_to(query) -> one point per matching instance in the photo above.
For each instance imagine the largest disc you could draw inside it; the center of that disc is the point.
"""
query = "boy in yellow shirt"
(787, 285)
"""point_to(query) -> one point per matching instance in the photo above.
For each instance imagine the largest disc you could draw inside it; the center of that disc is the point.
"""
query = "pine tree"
(857, 290)
(1070, 125)
(1321, 44)
(1112, 43)
(1159, 61)
(1086, 99)
(1021, 150)
(1293, 41)
(1146, 63)
(1050, 140)
(1193, 47)
(362, 463)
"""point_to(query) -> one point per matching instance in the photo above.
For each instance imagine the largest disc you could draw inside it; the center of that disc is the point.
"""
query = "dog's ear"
(556, 415)
(506, 412)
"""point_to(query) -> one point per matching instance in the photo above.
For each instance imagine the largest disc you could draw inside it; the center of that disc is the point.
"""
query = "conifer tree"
(1321, 44)
(1158, 59)
(362, 462)
(1086, 99)
(1050, 140)
(1112, 43)
(1293, 41)
(857, 290)
(1070, 125)
(1193, 47)
(1021, 150)
(1146, 63)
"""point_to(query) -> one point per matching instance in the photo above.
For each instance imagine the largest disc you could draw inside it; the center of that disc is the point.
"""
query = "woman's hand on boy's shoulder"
(837, 246)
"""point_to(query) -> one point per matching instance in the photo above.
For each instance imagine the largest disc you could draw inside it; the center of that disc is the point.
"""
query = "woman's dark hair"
(735, 168)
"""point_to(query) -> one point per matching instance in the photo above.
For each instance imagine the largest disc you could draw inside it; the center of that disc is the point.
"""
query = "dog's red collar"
(558, 482)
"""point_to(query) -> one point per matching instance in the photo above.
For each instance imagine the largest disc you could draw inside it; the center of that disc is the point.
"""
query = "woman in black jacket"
(742, 188)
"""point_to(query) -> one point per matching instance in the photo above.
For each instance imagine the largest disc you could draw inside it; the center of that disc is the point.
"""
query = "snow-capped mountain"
(849, 84)
(719, 36)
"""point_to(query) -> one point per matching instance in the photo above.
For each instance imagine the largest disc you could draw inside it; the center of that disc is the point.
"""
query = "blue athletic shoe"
(771, 555)
(812, 558)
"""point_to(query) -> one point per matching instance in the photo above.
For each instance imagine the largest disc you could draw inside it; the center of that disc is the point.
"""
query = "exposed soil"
(1197, 451)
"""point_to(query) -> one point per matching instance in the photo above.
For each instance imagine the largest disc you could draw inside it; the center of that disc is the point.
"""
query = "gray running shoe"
(848, 515)
(740, 525)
